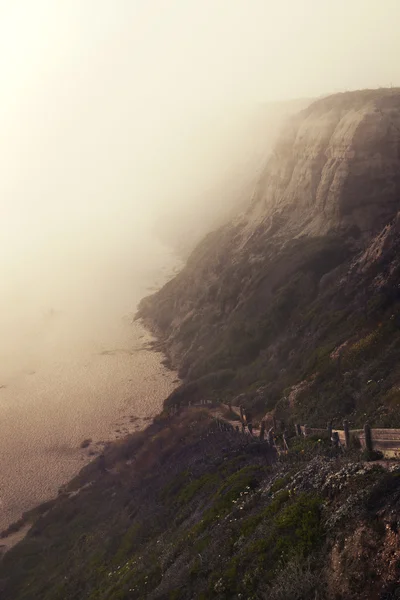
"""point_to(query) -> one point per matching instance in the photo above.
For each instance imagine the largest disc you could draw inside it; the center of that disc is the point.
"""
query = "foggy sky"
(98, 96)
(101, 101)
(116, 115)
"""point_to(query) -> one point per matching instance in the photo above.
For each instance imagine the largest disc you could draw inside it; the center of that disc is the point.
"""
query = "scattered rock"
(86, 443)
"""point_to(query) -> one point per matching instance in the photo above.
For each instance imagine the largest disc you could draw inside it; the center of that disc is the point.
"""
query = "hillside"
(293, 310)
(294, 304)
(192, 510)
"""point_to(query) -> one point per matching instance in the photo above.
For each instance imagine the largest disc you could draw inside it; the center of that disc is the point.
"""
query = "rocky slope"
(302, 287)
(188, 511)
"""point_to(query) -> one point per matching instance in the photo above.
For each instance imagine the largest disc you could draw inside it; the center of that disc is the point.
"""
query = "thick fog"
(128, 129)
(122, 118)
(117, 113)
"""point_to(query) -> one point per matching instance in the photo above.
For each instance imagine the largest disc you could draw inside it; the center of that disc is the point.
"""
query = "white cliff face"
(335, 166)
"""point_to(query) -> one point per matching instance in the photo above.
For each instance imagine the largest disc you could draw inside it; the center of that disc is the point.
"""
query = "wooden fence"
(385, 440)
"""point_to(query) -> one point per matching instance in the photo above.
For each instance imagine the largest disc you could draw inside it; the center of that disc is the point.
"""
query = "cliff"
(292, 309)
(264, 303)
(336, 166)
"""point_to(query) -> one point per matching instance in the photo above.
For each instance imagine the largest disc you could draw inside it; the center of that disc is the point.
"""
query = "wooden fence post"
(306, 430)
(346, 434)
(298, 429)
(262, 431)
(368, 437)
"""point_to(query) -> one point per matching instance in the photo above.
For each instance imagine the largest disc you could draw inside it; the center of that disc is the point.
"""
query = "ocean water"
(74, 366)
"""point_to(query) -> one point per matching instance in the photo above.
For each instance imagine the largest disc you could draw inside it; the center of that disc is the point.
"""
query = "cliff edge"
(265, 302)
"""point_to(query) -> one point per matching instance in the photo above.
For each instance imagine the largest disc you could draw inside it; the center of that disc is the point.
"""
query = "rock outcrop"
(336, 166)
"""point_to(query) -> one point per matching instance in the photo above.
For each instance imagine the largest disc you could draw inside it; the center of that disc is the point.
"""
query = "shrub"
(371, 455)
(296, 581)
(298, 526)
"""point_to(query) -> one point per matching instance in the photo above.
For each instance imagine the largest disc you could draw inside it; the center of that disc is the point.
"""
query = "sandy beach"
(91, 376)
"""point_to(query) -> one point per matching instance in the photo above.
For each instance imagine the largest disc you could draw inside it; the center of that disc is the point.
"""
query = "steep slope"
(335, 166)
(297, 305)
(264, 303)
(187, 511)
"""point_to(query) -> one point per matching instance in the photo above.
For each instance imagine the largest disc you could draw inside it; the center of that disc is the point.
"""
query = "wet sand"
(97, 385)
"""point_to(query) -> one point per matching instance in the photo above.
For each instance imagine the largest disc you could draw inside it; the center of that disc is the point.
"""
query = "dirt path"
(221, 412)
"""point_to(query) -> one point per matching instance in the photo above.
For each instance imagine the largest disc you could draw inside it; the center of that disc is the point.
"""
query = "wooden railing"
(385, 440)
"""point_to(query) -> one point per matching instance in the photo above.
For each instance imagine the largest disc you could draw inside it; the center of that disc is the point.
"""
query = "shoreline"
(16, 531)
(147, 382)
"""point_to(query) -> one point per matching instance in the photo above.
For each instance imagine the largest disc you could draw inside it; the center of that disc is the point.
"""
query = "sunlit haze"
(100, 99)
(115, 114)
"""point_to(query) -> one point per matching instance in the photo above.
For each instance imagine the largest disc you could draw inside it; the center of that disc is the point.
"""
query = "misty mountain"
(291, 309)
(300, 292)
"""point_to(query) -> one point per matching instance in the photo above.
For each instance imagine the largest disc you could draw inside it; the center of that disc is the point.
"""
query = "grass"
(212, 521)
(283, 333)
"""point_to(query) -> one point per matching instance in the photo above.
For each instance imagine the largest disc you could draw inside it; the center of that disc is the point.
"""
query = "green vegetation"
(250, 524)
(306, 330)
(203, 518)
(371, 455)
(298, 312)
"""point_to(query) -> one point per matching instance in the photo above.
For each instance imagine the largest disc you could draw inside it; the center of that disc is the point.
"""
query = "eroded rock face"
(336, 165)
